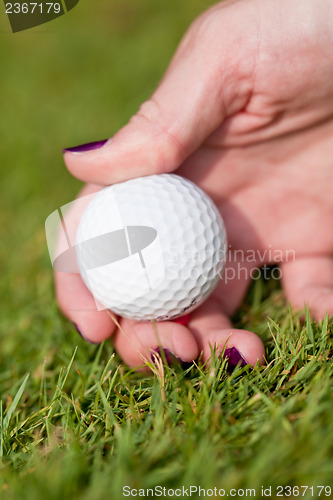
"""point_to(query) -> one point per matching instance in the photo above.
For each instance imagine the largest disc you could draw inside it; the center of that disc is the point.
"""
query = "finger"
(74, 299)
(136, 341)
(309, 281)
(212, 328)
(77, 303)
(197, 92)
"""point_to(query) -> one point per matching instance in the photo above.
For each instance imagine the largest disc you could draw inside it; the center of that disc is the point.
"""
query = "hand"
(245, 110)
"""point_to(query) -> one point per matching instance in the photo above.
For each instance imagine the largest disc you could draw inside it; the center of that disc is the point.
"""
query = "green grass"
(75, 422)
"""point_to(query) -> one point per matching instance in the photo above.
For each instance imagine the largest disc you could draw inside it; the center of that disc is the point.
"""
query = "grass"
(75, 422)
(80, 424)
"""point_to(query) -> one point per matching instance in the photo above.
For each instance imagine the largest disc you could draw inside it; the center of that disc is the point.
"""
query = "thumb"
(199, 90)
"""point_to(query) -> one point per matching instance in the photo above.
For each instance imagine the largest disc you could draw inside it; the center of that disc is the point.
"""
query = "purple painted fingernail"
(86, 147)
(234, 358)
(170, 357)
(81, 335)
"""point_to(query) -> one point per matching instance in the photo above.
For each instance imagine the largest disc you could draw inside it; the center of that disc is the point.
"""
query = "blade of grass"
(14, 404)
(107, 406)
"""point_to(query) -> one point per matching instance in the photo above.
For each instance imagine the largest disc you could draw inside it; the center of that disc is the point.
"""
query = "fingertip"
(169, 357)
(136, 341)
(89, 162)
(140, 148)
(250, 348)
(93, 326)
(249, 345)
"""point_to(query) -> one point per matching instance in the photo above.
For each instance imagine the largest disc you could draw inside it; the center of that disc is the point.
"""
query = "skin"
(245, 110)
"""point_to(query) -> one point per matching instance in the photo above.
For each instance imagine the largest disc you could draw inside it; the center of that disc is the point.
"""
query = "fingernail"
(81, 335)
(86, 147)
(234, 358)
(170, 357)
(183, 320)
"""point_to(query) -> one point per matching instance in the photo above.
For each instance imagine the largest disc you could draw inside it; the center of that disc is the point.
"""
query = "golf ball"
(151, 248)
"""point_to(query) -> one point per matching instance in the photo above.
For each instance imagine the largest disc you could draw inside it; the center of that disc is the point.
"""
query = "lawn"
(75, 422)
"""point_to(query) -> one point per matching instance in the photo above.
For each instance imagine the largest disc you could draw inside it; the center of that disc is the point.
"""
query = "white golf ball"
(151, 248)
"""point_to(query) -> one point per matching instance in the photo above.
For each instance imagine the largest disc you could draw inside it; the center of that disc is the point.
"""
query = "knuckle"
(167, 150)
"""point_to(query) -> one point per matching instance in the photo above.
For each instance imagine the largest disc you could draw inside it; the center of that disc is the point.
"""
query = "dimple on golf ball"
(151, 248)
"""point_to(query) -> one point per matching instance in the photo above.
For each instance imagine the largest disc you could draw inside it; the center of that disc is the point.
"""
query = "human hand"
(245, 110)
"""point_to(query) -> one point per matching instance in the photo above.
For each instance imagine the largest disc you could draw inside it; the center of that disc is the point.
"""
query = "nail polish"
(90, 146)
(171, 358)
(234, 358)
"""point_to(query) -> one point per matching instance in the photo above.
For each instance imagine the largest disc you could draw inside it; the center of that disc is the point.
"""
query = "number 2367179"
(33, 7)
